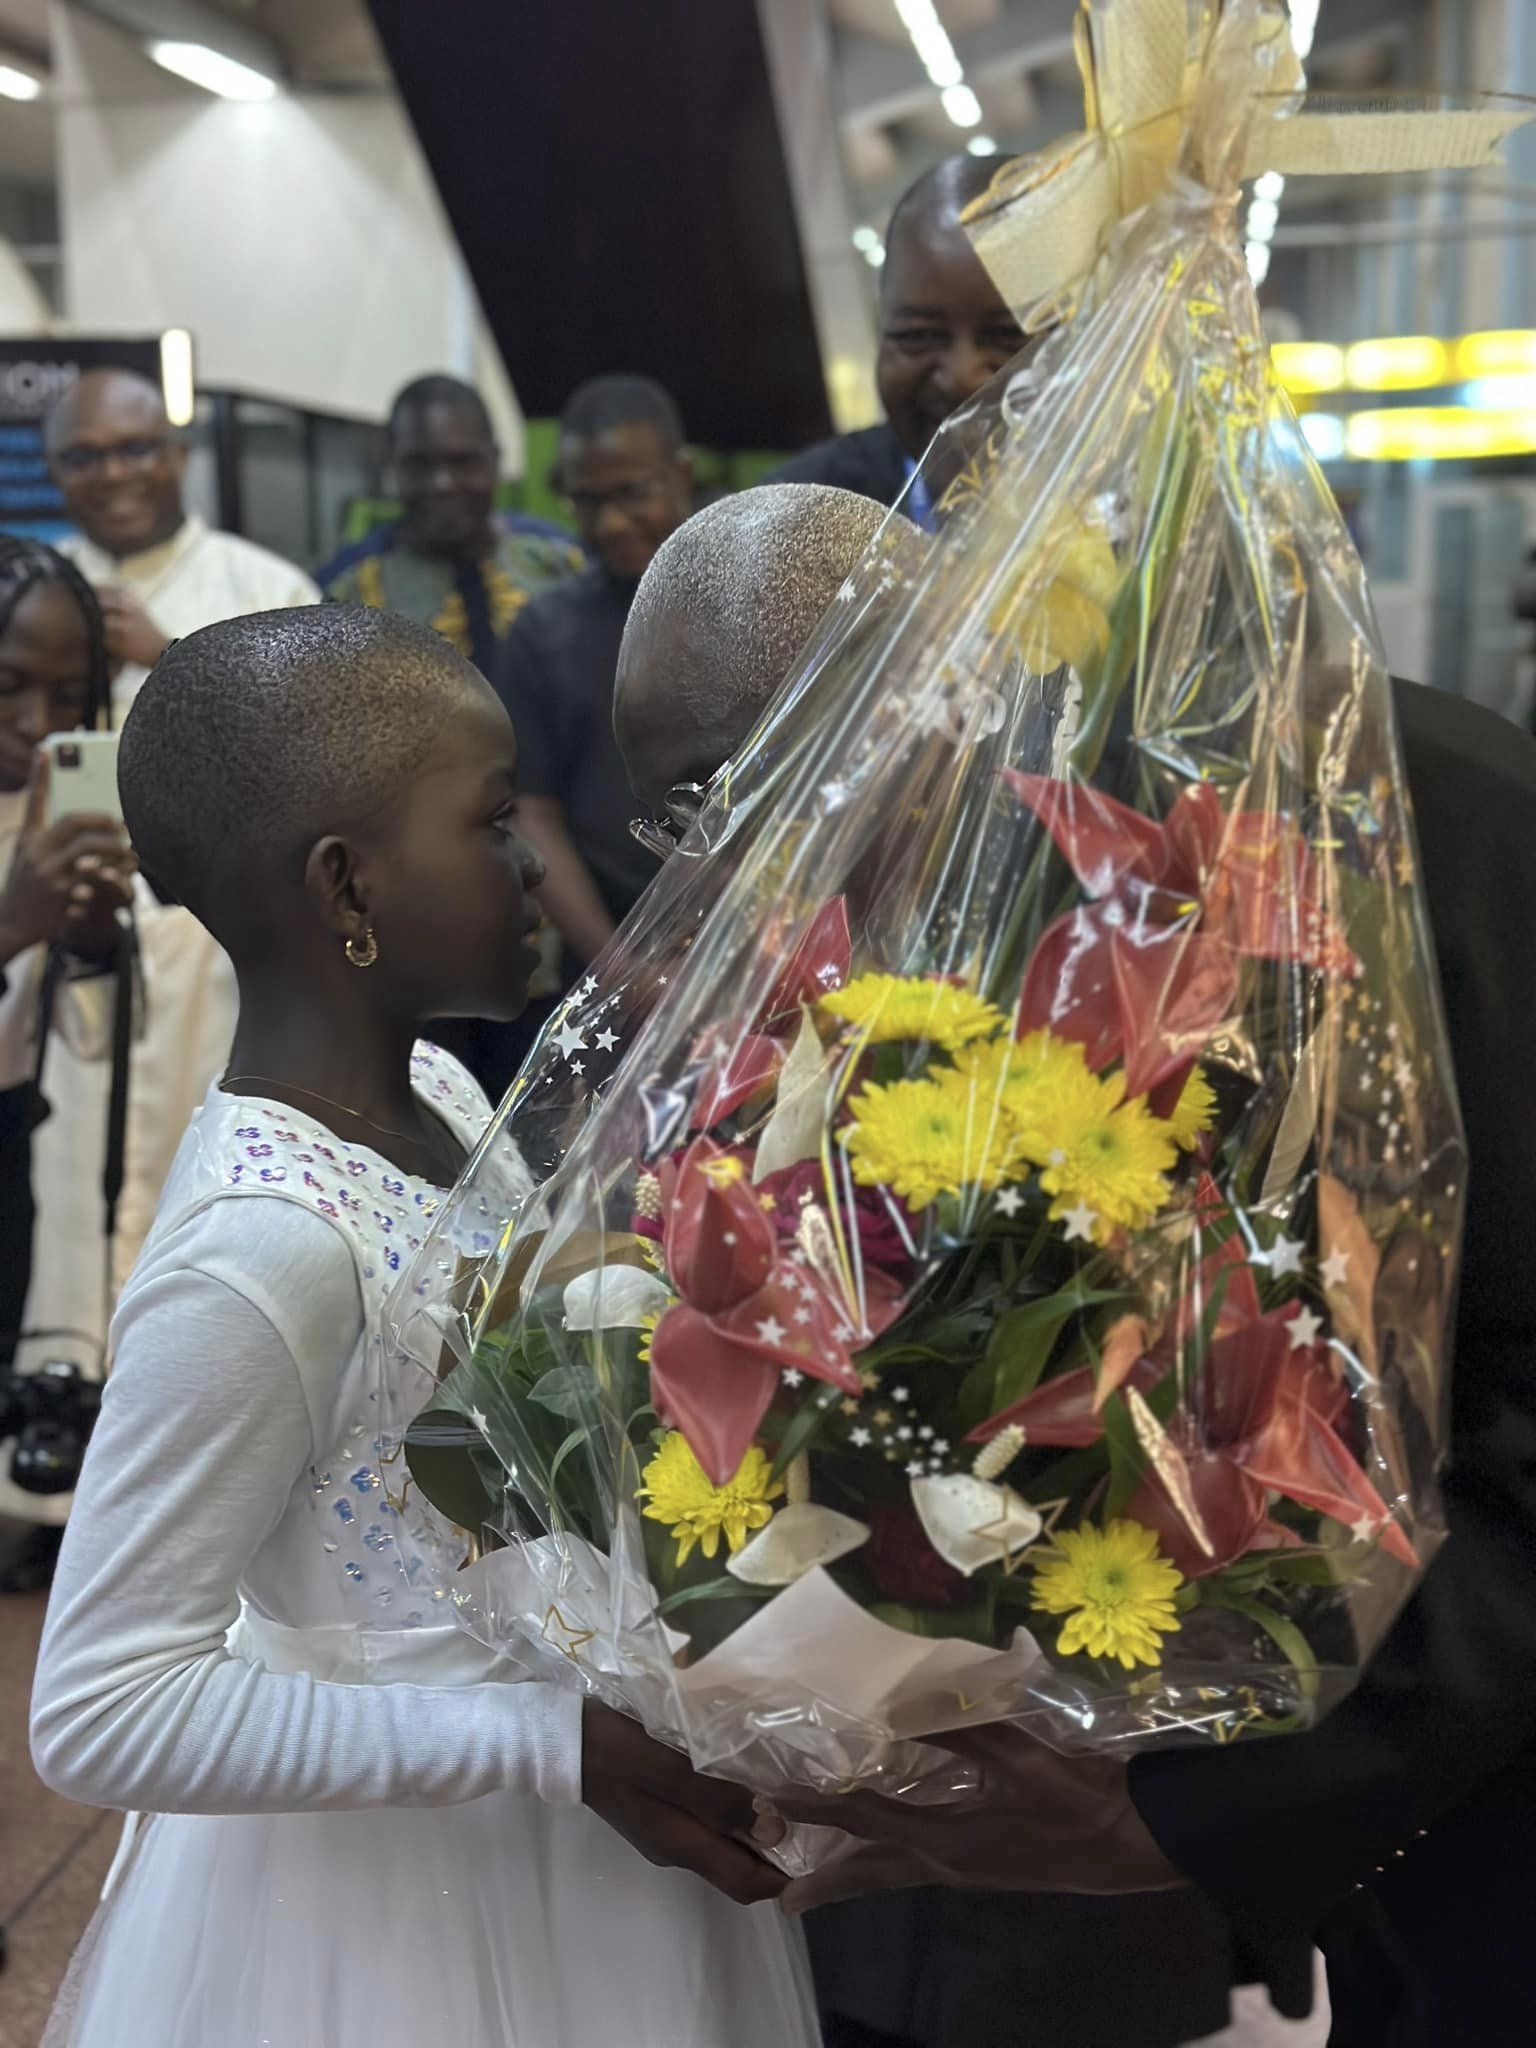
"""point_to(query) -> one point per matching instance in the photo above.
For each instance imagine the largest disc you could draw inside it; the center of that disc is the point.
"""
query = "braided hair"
(24, 564)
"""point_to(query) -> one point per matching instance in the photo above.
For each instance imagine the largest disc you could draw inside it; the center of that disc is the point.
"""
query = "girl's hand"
(66, 882)
(674, 1816)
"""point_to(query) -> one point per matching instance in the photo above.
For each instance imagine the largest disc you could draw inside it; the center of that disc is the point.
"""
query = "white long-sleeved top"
(234, 1461)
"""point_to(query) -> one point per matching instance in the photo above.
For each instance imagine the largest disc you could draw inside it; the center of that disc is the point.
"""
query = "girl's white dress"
(362, 1830)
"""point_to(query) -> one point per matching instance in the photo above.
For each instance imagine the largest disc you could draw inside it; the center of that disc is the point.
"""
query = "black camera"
(50, 1413)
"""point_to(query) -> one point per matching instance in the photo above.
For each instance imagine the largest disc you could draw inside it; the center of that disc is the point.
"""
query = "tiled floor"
(53, 1855)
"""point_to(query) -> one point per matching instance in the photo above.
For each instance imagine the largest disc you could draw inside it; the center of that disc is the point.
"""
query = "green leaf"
(723, 1588)
(566, 1391)
(1020, 1348)
(1127, 1462)
(798, 1432)
(1280, 1629)
(573, 1442)
(439, 1455)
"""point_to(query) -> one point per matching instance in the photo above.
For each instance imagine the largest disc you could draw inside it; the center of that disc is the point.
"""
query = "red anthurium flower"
(720, 1246)
(750, 1070)
(821, 961)
(1262, 1417)
(748, 1314)
(1146, 970)
(714, 1376)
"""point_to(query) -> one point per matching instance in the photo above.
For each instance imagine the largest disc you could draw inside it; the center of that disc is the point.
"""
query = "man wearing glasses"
(623, 468)
(158, 571)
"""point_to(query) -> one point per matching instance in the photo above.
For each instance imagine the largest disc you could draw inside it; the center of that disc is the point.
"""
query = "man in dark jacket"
(944, 332)
(1398, 1833)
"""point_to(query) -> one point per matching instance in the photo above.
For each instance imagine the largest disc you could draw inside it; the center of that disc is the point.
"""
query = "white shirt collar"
(144, 568)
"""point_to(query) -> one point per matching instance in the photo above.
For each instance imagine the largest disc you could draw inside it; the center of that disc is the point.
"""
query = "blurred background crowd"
(461, 311)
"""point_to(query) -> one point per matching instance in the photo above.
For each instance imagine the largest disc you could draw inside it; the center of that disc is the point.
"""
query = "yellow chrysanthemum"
(923, 1139)
(1194, 1112)
(681, 1493)
(1098, 1152)
(886, 1007)
(1039, 1069)
(1117, 1588)
(1068, 622)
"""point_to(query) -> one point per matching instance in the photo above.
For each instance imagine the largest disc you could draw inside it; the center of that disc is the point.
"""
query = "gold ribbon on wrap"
(1043, 223)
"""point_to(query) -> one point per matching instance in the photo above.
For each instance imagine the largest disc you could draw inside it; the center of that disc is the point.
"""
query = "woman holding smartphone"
(62, 885)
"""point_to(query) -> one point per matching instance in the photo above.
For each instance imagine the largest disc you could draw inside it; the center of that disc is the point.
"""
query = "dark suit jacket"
(1402, 1829)
(870, 462)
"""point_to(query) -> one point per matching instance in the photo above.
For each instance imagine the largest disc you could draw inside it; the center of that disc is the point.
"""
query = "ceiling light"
(982, 145)
(176, 376)
(1438, 433)
(1398, 362)
(1303, 25)
(1309, 365)
(1271, 187)
(18, 85)
(1509, 352)
(1324, 433)
(864, 238)
(1257, 254)
(962, 106)
(214, 72)
(1263, 218)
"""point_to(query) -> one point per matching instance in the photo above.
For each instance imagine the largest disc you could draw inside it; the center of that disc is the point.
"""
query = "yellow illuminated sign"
(1438, 433)
(1399, 362)
(1404, 362)
(1308, 365)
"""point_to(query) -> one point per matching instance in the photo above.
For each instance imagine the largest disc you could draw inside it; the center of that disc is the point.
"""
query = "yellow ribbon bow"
(1045, 220)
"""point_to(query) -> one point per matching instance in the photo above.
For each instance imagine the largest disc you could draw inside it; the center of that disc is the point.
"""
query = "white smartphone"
(82, 775)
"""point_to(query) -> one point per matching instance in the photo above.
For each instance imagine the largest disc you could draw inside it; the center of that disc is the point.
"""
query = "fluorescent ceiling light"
(18, 85)
(962, 106)
(1324, 432)
(176, 376)
(214, 72)
(982, 145)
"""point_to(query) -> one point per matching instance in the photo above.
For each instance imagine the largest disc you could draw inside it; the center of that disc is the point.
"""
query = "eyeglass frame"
(661, 835)
(136, 451)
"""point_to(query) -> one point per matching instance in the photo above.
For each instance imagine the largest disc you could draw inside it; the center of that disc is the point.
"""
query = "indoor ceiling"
(1017, 59)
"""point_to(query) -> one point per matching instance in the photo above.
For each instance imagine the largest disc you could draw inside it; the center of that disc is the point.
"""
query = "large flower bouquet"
(1003, 1189)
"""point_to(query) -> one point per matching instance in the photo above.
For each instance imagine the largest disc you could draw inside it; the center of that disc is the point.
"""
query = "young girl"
(364, 1830)
(61, 887)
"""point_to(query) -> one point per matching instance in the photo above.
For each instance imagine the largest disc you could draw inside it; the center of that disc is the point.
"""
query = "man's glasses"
(632, 497)
(85, 461)
(661, 833)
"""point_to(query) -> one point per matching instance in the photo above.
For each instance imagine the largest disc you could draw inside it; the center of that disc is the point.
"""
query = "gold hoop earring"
(365, 954)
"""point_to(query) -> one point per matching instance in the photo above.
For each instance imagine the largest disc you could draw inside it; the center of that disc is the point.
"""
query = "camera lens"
(69, 755)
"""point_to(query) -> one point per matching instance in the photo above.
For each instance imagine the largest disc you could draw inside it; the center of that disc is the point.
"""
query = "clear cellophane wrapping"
(998, 1197)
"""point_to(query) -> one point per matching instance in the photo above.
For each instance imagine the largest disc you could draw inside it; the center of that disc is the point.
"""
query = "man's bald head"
(721, 614)
(944, 329)
(117, 462)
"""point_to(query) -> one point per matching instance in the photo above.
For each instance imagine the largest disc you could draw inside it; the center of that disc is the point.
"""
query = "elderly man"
(1391, 1833)
(716, 627)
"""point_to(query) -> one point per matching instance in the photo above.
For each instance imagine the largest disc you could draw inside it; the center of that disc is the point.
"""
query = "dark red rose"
(904, 1564)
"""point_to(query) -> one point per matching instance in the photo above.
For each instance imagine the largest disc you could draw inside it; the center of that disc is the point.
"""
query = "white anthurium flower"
(614, 1298)
(798, 1539)
(971, 1522)
(794, 1131)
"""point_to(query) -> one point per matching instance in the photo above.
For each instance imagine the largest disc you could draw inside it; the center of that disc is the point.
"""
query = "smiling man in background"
(158, 570)
(944, 333)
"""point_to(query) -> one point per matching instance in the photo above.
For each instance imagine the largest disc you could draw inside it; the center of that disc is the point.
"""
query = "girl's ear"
(334, 884)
